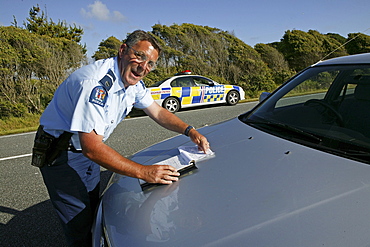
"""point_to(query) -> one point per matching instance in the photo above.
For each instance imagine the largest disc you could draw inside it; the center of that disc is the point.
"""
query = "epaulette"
(108, 79)
(141, 83)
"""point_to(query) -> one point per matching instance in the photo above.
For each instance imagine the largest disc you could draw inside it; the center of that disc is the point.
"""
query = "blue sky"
(262, 21)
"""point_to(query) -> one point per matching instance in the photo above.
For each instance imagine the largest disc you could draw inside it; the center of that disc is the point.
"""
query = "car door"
(185, 90)
(211, 92)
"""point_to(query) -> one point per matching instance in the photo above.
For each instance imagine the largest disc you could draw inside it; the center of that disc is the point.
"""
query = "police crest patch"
(98, 96)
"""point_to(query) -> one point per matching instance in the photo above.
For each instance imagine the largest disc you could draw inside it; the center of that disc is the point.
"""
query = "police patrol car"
(185, 90)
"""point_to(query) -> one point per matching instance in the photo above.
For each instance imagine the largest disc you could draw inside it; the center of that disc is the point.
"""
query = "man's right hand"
(160, 174)
(96, 150)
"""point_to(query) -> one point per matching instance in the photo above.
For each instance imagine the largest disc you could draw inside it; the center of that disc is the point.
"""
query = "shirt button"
(111, 121)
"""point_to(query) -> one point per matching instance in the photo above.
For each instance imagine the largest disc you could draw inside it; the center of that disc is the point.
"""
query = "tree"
(33, 63)
(214, 53)
(358, 43)
(302, 49)
(107, 48)
(17, 63)
(337, 37)
(275, 61)
(38, 23)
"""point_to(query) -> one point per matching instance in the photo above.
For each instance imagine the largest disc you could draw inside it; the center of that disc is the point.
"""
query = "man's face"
(132, 65)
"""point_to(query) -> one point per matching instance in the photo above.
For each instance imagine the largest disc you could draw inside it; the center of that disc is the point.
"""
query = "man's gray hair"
(140, 35)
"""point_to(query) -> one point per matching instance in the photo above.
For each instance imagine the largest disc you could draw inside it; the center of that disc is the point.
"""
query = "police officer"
(89, 104)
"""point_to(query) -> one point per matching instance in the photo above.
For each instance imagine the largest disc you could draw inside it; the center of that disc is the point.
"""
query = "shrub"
(8, 109)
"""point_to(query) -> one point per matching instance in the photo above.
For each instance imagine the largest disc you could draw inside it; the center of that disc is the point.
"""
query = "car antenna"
(343, 45)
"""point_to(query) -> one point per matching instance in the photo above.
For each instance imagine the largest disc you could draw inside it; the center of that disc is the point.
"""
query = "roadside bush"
(8, 109)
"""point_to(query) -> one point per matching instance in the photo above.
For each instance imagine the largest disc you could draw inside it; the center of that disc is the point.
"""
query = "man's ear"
(122, 50)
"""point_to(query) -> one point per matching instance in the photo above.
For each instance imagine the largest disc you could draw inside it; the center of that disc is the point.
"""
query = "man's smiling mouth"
(136, 74)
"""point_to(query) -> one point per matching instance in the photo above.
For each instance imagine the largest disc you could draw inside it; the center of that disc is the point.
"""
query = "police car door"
(183, 88)
(211, 92)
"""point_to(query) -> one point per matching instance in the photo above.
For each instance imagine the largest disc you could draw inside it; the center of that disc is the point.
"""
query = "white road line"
(20, 134)
(15, 157)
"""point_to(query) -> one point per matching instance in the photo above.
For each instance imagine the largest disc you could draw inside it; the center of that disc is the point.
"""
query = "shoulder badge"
(107, 80)
(98, 96)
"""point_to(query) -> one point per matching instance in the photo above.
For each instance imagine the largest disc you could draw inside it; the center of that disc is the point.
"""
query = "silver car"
(294, 171)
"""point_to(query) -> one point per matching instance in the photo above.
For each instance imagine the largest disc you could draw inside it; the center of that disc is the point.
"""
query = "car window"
(314, 87)
(183, 82)
(200, 81)
(326, 106)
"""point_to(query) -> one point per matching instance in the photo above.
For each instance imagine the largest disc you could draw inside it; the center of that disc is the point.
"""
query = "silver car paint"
(277, 194)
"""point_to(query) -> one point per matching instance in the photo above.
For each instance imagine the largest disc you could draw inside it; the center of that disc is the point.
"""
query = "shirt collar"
(118, 83)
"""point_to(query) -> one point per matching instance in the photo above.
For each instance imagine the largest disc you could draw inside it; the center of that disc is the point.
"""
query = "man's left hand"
(200, 140)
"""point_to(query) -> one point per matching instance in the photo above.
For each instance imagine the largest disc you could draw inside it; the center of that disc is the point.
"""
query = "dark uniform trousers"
(73, 186)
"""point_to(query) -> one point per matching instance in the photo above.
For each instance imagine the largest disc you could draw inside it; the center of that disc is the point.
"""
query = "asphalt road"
(26, 214)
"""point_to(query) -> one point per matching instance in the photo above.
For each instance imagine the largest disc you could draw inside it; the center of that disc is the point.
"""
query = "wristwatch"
(187, 130)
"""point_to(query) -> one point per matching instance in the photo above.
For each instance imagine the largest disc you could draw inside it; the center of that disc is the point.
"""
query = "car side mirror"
(263, 96)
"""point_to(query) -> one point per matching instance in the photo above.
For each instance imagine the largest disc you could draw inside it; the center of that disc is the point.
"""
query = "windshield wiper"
(285, 127)
(353, 152)
(360, 155)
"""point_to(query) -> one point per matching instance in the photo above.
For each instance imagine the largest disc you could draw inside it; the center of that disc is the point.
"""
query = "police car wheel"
(232, 97)
(171, 104)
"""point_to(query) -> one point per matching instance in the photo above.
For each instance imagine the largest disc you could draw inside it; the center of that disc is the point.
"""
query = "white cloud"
(100, 11)
(118, 16)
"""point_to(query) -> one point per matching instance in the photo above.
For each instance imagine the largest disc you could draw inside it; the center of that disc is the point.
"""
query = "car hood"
(258, 190)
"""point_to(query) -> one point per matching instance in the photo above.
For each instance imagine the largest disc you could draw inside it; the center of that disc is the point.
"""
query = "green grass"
(14, 125)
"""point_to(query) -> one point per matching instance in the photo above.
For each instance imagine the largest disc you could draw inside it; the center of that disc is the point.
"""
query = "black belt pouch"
(46, 147)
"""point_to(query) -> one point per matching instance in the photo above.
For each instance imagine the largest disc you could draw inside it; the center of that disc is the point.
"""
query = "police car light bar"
(185, 72)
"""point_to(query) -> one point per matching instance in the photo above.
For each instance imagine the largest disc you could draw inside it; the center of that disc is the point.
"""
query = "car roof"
(183, 75)
(352, 59)
(179, 76)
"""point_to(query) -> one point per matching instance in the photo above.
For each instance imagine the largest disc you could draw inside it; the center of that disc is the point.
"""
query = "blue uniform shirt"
(93, 98)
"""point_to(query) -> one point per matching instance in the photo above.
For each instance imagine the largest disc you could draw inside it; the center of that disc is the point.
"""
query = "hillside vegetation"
(37, 56)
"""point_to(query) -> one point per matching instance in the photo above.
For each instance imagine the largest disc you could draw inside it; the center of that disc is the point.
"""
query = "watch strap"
(187, 130)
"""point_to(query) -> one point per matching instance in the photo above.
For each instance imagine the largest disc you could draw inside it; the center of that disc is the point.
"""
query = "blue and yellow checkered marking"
(193, 95)
(212, 98)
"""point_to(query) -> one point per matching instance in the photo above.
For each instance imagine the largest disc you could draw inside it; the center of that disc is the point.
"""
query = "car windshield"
(325, 107)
